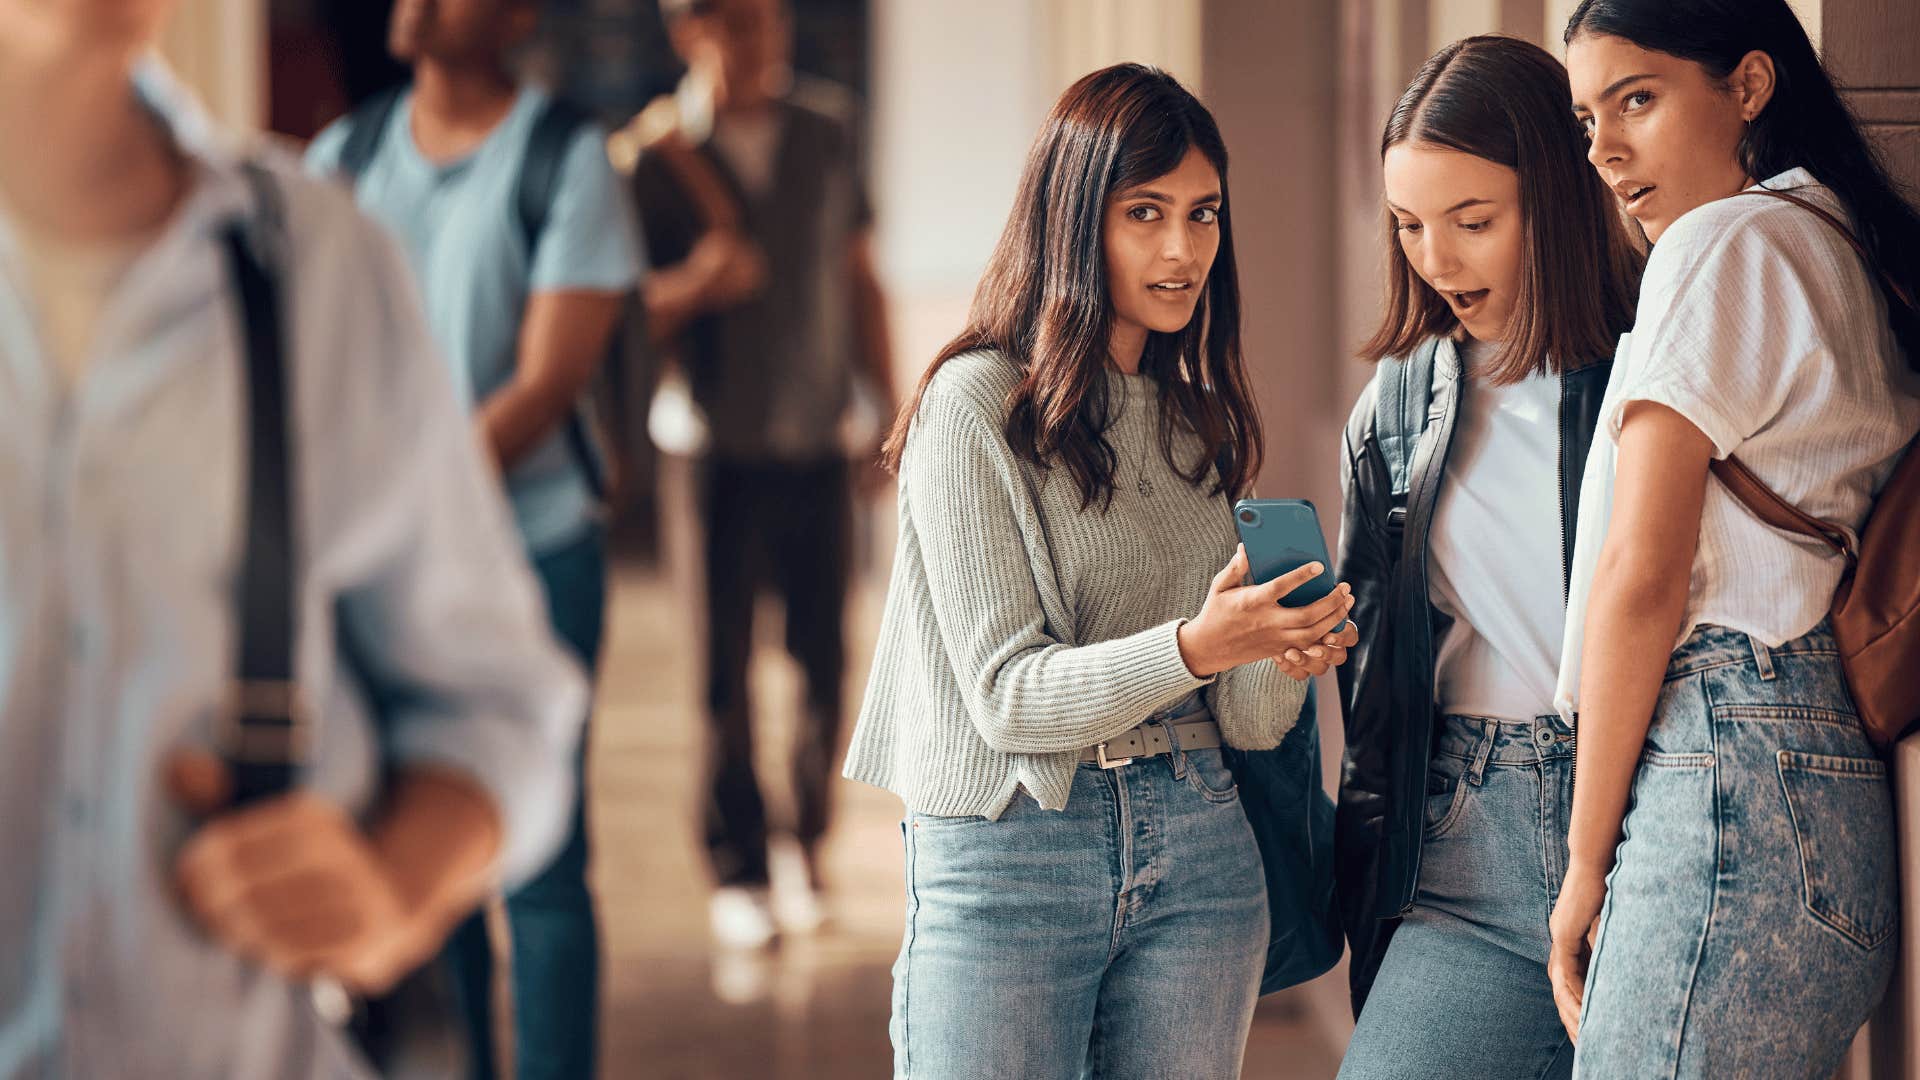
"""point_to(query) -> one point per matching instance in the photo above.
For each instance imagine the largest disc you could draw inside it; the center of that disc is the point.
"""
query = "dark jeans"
(787, 528)
(556, 944)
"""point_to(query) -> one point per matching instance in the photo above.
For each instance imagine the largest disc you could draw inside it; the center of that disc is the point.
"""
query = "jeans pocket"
(1660, 759)
(1842, 815)
(1446, 795)
(1209, 775)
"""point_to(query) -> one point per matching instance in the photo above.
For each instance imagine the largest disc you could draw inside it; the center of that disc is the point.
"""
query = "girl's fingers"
(1277, 589)
(1233, 573)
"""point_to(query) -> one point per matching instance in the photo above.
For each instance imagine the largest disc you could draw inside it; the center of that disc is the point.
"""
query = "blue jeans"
(556, 943)
(1751, 913)
(1463, 988)
(1121, 937)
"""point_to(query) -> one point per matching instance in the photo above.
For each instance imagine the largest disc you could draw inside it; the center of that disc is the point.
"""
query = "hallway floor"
(815, 1008)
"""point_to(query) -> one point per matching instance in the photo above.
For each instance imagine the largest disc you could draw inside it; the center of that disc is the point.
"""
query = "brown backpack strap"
(1893, 287)
(1778, 512)
(1765, 503)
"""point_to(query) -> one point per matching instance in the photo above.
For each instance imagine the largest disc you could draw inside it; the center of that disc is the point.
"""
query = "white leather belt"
(1150, 740)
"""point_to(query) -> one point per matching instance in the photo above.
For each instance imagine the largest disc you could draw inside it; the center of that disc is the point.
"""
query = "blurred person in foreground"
(146, 932)
(523, 244)
(753, 198)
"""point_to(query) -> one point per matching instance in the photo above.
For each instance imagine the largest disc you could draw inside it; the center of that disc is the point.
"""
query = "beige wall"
(960, 90)
(1084, 35)
(219, 47)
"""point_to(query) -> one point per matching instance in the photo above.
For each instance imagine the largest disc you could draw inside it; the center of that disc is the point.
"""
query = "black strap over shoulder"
(553, 132)
(365, 126)
(1401, 404)
(539, 184)
(265, 723)
(1400, 410)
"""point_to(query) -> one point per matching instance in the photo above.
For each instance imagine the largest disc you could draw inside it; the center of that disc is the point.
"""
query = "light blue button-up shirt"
(458, 223)
(121, 521)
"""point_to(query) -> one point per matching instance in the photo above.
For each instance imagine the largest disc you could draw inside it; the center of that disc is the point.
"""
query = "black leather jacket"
(1386, 685)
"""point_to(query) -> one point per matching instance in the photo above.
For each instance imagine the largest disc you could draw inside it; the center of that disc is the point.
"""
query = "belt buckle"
(1100, 755)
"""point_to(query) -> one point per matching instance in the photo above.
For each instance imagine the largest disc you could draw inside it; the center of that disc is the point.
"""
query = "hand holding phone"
(1280, 536)
(1242, 623)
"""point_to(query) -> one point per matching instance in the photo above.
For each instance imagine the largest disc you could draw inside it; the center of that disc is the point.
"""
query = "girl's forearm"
(1638, 597)
(1632, 618)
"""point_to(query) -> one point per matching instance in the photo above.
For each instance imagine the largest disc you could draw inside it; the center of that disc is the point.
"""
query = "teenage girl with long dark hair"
(1062, 654)
(1732, 834)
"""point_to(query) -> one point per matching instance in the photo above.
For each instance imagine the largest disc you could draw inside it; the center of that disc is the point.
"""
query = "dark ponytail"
(1806, 124)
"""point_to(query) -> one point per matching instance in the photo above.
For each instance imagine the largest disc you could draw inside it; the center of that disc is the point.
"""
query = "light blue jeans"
(1121, 937)
(1463, 990)
(1752, 912)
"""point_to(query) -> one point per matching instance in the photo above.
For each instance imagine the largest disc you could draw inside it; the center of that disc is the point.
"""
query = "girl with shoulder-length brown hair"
(1511, 276)
(1063, 655)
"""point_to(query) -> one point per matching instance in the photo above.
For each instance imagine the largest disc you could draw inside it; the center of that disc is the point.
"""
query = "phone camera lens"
(1249, 516)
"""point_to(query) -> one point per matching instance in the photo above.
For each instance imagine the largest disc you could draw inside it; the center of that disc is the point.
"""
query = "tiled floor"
(815, 1008)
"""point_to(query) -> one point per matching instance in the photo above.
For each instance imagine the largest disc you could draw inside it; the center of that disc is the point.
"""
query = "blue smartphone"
(1283, 535)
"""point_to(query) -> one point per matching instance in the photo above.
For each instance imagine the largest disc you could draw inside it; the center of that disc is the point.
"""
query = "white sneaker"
(799, 910)
(796, 902)
(741, 918)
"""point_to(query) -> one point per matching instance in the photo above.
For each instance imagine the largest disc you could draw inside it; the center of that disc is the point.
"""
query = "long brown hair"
(1043, 302)
(1508, 101)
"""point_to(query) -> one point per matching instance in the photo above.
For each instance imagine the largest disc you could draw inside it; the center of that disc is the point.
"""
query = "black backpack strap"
(265, 722)
(365, 126)
(1400, 411)
(539, 184)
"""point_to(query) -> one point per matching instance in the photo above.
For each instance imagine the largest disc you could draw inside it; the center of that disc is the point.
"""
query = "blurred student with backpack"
(524, 246)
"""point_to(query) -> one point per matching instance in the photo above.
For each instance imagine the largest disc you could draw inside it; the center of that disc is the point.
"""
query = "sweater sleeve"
(1257, 704)
(1025, 690)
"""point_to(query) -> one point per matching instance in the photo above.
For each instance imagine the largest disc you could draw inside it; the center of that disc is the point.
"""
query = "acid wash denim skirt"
(1752, 913)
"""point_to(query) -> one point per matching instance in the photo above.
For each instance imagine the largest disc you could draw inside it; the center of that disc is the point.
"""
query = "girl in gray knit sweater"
(1063, 653)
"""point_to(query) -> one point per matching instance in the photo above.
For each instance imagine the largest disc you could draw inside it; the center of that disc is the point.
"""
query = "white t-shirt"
(1495, 550)
(69, 285)
(750, 143)
(1762, 326)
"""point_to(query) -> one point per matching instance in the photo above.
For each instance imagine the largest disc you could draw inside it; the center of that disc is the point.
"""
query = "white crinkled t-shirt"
(1763, 327)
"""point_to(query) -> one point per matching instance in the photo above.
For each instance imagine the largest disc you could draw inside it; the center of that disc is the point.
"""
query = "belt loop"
(1762, 658)
(1477, 769)
(1175, 756)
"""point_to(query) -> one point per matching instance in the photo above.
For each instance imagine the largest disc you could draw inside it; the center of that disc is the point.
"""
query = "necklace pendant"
(1145, 485)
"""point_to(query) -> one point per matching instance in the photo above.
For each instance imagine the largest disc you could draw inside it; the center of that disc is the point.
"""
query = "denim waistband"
(1504, 742)
(1189, 708)
(1711, 646)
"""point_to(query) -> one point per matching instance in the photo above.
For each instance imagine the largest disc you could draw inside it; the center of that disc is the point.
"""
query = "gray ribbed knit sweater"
(1020, 629)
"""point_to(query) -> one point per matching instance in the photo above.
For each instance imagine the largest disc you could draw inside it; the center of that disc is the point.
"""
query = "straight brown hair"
(1508, 101)
(1043, 302)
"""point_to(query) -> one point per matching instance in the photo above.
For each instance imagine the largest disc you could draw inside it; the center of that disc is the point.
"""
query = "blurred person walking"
(1066, 668)
(752, 194)
(523, 244)
(159, 281)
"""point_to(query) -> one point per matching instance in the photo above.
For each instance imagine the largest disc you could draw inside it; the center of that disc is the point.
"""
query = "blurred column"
(1090, 34)
(219, 47)
(1274, 79)
(958, 92)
